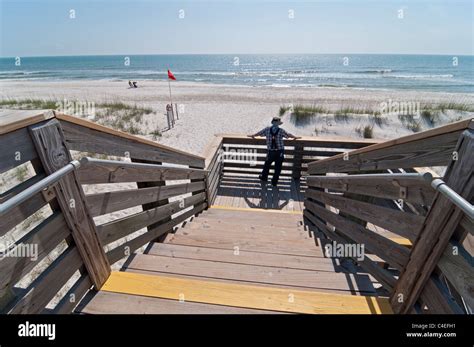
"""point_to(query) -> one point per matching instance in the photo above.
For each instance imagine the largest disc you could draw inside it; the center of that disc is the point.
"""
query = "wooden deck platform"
(236, 261)
(247, 191)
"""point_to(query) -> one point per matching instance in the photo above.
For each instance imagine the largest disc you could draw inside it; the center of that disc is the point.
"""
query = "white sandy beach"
(208, 109)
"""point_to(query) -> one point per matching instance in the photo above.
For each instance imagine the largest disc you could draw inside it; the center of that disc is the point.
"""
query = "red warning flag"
(171, 76)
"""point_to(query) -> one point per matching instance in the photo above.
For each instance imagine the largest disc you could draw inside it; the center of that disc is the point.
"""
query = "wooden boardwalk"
(236, 261)
(247, 191)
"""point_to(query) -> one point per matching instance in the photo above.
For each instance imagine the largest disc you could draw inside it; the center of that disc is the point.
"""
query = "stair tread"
(295, 248)
(252, 273)
(120, 303)
(244, 257)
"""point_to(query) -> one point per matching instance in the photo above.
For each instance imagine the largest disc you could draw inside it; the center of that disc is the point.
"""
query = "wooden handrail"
(429, 148)
(168, 154)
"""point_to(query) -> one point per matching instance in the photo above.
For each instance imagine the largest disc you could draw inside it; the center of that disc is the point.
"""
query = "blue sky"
(43, 27)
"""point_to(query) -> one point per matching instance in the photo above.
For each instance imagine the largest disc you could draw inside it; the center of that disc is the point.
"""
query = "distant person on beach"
(275, 148)
(132, 84)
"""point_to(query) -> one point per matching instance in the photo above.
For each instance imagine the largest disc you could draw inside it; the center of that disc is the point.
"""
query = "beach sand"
(208, 109)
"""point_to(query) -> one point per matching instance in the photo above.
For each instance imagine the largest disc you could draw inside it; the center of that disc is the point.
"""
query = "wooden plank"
(129, 247)
(74, 295)
(46, 286)
(49, 142)
(418, 191)
(399, 222)
(17, 148)
(386, 249)
(20, 187)
(211, 150)
(251, 222)
(112, 231)
(85, 136)
(248, 244)
(103, 203)
(254, 211)
(47, 236)
(306, 141)
(243, 257)
(11, 120)
(256, 297)
(438, 300)
(252, 273)
(118, 172)
(117, 303)
(21, 212)
(296, 230)
(428, 148)
(457, 265)
(232, 233)
(383, 276)
(441, 222)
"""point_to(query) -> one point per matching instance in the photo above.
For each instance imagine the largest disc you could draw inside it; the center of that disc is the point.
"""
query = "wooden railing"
(75, 247)
(245, 155)
(374, 197)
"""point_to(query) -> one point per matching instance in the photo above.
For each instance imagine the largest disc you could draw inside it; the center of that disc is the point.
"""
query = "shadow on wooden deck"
(247, 191)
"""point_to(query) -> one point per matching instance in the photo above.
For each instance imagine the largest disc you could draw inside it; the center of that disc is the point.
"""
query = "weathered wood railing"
(71, 244)
(373, 197)
(245, 155)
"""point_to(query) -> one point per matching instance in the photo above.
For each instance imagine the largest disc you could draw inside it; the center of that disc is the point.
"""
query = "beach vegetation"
(409, 122)
(303, 115)
(282, 110)
(367, 132)
(341, 117)
(378, 119)
(29, 104)
(156, 134)
(430, 117)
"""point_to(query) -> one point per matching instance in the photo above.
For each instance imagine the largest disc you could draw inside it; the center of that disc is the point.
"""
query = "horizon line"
(170, 54)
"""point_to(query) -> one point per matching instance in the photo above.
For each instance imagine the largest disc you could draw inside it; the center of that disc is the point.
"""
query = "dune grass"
(367, 132)
(29, 104)
(409, 122)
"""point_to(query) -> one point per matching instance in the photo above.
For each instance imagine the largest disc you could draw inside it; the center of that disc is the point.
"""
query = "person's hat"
(277, 120)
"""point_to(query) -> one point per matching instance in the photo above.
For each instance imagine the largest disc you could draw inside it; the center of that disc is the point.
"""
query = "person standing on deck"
(275, 148)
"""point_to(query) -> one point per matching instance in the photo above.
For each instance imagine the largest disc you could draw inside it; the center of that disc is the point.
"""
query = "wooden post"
(53, 153)
(440, 224)
(297, 160)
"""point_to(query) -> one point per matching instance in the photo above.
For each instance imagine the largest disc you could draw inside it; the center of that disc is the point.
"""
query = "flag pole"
(171, 100)
(169, 86)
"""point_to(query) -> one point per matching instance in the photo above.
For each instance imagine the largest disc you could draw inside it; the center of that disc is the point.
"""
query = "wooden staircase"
(256, 253)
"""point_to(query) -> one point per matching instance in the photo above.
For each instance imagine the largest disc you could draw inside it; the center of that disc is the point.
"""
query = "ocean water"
(415, 72)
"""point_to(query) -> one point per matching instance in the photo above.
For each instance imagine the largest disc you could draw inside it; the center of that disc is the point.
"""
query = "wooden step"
(252, 273)
(240, 295)
(237, 233)
(118, 303)
(244, 257)
(246, 244)
(255, 213)
(204, 222)
(264, 223)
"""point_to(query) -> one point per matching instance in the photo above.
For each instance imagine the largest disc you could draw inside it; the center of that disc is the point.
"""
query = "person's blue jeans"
(276, 156)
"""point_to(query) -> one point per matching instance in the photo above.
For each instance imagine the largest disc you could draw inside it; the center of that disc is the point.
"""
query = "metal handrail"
(455, 198)
(59, 174)
(38, 186)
